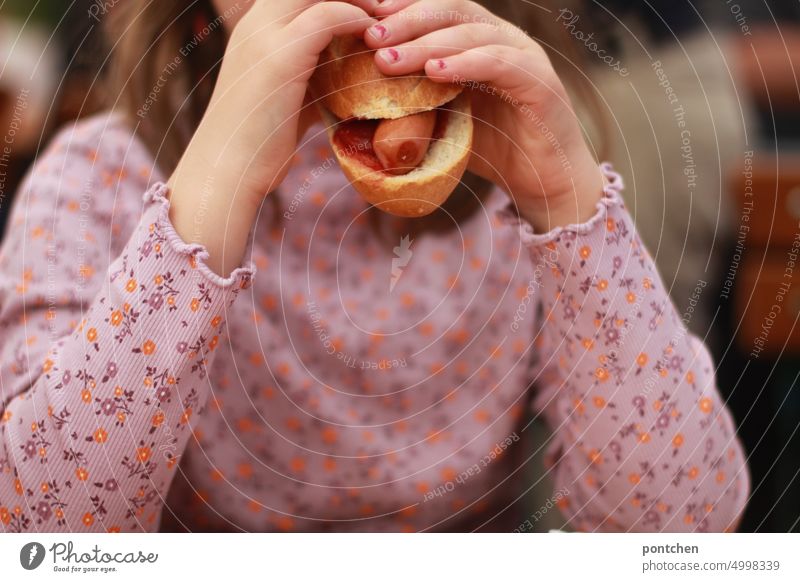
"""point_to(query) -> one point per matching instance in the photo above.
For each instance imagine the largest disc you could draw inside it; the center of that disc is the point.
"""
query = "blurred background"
(704, 124)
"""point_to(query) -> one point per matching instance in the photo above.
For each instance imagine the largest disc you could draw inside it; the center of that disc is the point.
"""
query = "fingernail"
(440, 64)
(390, 56)
(378, 32)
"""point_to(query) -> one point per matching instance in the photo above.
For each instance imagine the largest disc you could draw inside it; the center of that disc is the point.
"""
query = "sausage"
(401, 144)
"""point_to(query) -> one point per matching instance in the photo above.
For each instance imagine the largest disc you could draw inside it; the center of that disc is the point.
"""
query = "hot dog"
(401, 144)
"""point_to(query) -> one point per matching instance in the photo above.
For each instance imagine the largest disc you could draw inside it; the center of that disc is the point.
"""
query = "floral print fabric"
(347, 386)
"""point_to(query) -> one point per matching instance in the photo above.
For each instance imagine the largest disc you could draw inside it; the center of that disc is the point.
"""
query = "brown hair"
(147, 38)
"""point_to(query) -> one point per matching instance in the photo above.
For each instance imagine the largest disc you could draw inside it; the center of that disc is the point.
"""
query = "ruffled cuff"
(240, 278)
(612, 198)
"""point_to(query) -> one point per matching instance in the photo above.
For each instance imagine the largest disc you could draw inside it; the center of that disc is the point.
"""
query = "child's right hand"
(242, 147)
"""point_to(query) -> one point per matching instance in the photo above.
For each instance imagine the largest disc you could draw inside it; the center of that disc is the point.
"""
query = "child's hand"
(527, 138)
(253, 119)
(242, 147)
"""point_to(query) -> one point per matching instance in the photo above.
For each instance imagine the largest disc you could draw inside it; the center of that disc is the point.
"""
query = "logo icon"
(31, 555)
(403, 255)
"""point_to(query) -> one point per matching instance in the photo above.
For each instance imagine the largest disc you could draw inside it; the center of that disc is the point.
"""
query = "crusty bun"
(424, 189)
(350, 85)
(351, 91)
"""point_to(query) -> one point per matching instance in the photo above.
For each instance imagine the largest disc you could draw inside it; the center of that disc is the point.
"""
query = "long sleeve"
(642, 440)
(108, 323)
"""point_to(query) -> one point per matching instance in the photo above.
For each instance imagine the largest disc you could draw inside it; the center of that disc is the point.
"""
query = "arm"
(102, 366)
(642, 440)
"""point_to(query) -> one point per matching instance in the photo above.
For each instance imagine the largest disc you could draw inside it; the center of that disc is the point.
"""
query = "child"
(344, 386)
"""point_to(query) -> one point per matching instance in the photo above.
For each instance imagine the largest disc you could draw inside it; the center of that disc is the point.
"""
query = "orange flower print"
(195, 304)
(677, 441)
(100, 436)
(116, 318)
(88, 519)
(91, 335)
(5, 516)
(602, 285)
(187, 414)
(86, 395)
(148, 347)
(130, 287)
(82, 474)
(706, 405)
(158, 418)
(585, 252)
(143, 454)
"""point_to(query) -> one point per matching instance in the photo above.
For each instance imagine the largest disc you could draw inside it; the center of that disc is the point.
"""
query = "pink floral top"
(348, 385)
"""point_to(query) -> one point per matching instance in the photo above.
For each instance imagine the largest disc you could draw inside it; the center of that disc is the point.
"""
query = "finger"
(412, 56)
(519, 72)
(424, 17)
(324, 20)
(285, 11)
(388, 7)
(368, 6)
(270, 12)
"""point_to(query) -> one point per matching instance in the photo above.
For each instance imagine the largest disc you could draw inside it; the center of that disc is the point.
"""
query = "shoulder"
(94, 171)
(98, 157)
(99, 142)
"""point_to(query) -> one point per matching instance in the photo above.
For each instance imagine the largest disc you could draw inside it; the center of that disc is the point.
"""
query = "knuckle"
(503, 53)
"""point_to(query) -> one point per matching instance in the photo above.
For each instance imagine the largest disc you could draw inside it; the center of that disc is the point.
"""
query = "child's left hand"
(527, 138)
